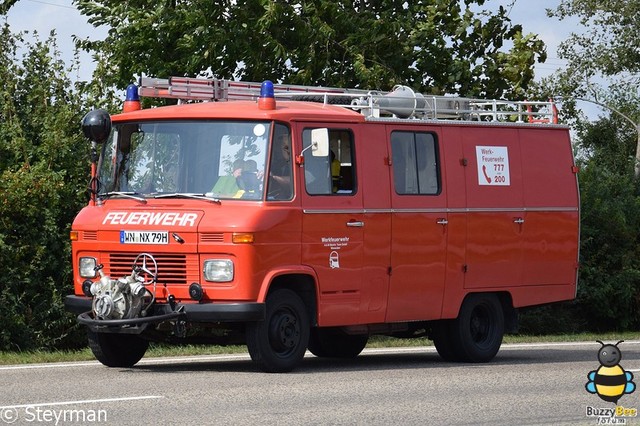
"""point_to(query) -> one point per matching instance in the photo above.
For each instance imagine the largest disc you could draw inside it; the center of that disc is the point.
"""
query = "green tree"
(433, 45)
(609, 287)
(43, 174)
(603, 59)
(609, 273)
(5, 5)
(603, 69)
(610, 42)
(603, 55)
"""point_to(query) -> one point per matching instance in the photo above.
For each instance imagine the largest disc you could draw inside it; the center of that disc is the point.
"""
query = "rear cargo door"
(495, 218)
(551, 228)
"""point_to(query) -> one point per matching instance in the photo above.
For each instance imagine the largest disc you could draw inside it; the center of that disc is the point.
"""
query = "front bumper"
(188, 312)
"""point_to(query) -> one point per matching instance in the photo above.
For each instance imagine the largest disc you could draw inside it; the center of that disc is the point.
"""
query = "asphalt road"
(524, 385)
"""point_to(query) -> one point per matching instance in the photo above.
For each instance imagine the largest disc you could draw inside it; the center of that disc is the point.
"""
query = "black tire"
(335, 343)
(476, 335)
(481, 325)
(278, 344)
(117, 350)
(441, 335)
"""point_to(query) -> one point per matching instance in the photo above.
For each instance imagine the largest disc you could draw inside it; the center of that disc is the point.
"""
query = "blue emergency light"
(132, 99)
(267, 99)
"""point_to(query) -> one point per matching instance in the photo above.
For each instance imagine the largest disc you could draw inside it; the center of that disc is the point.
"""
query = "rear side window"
(415, 163)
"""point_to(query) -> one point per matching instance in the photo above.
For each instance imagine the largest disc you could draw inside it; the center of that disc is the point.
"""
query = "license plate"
(144, 237)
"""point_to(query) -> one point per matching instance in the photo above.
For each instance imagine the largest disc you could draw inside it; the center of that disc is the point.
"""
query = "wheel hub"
(284, 332)
(479, 326)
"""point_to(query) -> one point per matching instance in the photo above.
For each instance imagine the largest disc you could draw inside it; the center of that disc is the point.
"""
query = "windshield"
(215, 159)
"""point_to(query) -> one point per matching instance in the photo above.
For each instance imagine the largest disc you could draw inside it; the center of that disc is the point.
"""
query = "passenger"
(228, 185)
(248, 182)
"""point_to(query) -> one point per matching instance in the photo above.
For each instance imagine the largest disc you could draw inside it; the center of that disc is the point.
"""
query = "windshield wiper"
(135, 195)
(196, 196)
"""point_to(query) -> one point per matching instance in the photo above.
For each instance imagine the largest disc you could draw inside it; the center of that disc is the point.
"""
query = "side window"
(333, 173)
(280, 184)
(415, 163)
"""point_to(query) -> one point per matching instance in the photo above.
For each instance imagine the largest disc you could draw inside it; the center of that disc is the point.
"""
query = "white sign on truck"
(493, 165)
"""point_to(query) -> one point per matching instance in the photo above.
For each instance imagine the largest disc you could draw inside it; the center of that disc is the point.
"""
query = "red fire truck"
(293, 218)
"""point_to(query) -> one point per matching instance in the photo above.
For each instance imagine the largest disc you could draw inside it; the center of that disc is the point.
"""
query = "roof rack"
(400, 103)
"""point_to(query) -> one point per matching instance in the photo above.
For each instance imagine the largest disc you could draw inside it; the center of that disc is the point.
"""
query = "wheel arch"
(510, 313)
(302, 282)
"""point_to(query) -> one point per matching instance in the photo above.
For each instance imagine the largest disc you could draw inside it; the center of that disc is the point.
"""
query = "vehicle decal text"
(150, 218)
(335, 242)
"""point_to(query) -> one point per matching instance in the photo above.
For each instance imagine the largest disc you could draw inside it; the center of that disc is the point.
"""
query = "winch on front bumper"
(127, 305)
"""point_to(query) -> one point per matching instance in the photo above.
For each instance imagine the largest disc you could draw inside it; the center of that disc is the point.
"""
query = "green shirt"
(226, 185)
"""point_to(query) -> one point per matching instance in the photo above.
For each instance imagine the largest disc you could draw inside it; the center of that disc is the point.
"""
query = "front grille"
(172, 268)
(90, 235)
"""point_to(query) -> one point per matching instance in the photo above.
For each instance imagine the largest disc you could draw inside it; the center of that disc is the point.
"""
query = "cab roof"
(245, 110)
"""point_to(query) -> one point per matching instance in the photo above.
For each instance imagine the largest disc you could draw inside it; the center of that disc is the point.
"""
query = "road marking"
(51, 365)
(84, 401)
(550, 344)
(195, 358)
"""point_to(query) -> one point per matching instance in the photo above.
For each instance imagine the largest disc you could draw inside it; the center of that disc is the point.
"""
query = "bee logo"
(610, 381)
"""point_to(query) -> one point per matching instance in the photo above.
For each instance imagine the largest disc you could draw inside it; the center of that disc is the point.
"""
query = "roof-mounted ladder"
(401, 103)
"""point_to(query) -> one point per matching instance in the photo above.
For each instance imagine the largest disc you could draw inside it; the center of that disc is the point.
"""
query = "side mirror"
(96, 125)
(320, 142)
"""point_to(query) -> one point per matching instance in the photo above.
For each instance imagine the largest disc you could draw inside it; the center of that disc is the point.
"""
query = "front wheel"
(117, 350)
(278, 344)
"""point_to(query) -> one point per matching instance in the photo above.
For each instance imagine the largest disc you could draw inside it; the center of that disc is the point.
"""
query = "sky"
(44, 16)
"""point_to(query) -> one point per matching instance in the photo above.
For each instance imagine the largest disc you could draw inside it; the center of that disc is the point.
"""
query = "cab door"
(332, 222)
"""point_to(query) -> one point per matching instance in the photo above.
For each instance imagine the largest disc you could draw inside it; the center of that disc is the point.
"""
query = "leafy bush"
(609, 284)
(43, 172)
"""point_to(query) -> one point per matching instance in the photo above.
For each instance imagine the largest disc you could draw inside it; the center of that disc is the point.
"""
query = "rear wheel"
(335, 343)
(441, 335)
(278, 343)
(476, 335)
(117, 350)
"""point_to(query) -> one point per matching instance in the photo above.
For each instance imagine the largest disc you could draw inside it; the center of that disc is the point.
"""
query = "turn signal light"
(242, 238)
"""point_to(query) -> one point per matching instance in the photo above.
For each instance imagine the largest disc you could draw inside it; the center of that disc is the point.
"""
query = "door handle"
(518, 220)
(355, 224)
(442, 221)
